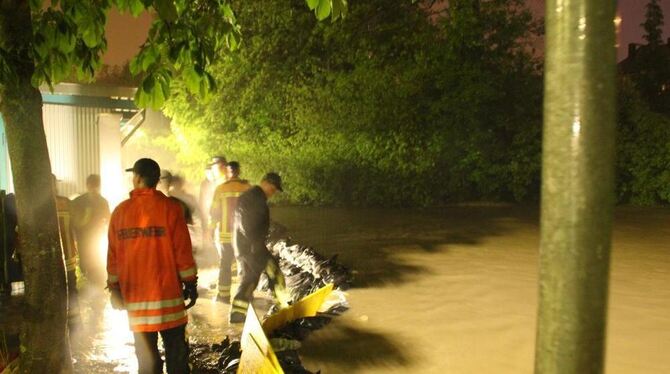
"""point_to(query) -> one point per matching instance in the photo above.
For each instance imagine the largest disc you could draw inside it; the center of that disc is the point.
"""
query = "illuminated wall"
(73, 141)
(82, 127)
(5, 181)
(111, 170)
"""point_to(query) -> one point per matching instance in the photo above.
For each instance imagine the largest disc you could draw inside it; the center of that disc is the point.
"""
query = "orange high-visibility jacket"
(66, 228)
(149, 256)
(223, 207)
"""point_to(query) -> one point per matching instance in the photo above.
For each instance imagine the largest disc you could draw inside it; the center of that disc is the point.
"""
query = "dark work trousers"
(250, 273)
(176, 351)
(225, 268)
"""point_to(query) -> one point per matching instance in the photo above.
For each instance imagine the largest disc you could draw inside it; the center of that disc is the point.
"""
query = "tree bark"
(45, 347)
(577, 186)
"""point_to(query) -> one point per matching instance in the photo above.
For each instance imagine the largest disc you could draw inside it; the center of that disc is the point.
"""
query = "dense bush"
(396, 105)
(643, 154)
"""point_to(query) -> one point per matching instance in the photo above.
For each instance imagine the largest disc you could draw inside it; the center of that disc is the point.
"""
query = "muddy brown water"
(455, 290)
(452, 290)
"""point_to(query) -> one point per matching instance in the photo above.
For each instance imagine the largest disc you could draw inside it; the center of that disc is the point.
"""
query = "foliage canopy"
(398, 104)
(185, 38)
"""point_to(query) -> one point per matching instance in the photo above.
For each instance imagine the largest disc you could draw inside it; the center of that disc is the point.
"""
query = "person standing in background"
(178, 191)
(221, 221)
(214, 175)
(90, 218)
(165, 186)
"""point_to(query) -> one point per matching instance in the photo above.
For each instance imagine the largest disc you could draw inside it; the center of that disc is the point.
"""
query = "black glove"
(191, 292)
(116, 299)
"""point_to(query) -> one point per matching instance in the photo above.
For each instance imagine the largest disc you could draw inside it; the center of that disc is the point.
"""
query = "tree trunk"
(577, 186)
(45, 347)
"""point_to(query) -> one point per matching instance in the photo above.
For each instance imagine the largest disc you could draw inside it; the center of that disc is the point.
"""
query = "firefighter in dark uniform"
(66, 227)
(252, 222)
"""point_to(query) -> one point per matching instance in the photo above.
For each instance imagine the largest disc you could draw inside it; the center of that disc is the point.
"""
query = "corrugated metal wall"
(74, 144)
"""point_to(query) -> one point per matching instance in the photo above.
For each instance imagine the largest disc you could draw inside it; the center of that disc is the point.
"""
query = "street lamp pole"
(577, 185)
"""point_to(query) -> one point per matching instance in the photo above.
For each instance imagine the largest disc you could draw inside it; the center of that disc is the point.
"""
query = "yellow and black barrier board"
(306, 307)
(257, 354)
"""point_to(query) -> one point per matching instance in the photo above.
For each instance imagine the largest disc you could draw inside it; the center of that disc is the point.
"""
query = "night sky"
(125, 33)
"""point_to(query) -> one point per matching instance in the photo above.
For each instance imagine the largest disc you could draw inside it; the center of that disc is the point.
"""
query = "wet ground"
(439, 291)
(105, 344)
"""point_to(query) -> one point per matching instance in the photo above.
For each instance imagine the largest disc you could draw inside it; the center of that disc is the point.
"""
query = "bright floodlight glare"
(117, 345)
(102, 254)
(111, 169)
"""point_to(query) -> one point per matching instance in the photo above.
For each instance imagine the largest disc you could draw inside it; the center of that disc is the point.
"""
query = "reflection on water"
(104, 343)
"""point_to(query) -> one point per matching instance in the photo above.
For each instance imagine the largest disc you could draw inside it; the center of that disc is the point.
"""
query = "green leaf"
(211, 82)
(312, 4)
(135, 65)
(166, 10)
(233, 40)
(40, 45)
(148, 83)
(174, 52)
(155, 98)
(228, 12)
(90, 39)
(339, 9)
(192, 80)
(165, 87)
(66, 42)
(136, 7)
(323, 10)
(150, 56)
(141, 98)
(36, 5)
(182, 5)
(37, 78)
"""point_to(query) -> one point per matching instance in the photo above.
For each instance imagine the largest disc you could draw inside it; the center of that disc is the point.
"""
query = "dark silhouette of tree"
(653, 23)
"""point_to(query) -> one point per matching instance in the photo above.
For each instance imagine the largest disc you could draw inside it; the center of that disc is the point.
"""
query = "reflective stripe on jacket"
(66, 228)
(149, 256)
(222, 213)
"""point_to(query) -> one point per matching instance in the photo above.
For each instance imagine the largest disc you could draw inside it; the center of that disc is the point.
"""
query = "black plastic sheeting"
(305, 271)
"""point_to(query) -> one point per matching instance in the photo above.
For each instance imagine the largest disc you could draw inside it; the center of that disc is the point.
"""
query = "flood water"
(439, 291)
(455, 290)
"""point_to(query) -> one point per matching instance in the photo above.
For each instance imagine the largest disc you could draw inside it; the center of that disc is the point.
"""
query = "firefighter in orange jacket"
(66, 228)
(151, 270)
(222, 216)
